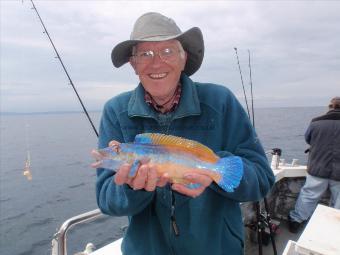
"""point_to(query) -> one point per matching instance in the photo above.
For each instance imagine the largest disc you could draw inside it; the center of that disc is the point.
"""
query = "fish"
(173, 155)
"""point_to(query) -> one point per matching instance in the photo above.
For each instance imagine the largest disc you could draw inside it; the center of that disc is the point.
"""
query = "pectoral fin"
(134, 167)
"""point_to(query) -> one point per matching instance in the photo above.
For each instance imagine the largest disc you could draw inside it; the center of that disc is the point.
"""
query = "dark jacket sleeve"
(308, 134)
(112, 199)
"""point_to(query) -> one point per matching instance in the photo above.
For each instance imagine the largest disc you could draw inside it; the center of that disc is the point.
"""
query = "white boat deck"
(321, 235)
(110, 249)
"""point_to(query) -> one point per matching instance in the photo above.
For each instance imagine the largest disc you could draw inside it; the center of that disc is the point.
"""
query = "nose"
(157, 60)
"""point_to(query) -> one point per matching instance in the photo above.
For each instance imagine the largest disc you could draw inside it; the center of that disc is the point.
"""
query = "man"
(170, 218)
(323, 136)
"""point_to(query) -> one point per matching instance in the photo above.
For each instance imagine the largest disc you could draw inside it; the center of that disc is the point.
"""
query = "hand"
(202, 179)
(146, 177)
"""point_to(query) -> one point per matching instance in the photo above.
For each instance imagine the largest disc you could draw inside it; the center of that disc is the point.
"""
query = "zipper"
(173, 222)
(172, 215)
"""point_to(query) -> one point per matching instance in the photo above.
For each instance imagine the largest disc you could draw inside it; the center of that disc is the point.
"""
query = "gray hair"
(334, 103)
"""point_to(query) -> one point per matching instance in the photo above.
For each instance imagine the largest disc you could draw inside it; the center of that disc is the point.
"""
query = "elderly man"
(168, 218)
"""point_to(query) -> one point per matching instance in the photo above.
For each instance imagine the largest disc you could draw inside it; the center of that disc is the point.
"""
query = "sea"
(63, 183)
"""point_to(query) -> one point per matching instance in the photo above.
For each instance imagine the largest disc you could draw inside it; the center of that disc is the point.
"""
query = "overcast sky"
(294, 45)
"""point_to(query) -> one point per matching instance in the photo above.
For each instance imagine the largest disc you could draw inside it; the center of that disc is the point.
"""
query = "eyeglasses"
(169, 54)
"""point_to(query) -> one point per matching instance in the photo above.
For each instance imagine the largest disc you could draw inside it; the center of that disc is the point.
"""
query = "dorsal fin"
(174, 142)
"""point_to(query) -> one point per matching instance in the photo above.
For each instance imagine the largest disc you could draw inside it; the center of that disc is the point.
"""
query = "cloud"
(294, 49)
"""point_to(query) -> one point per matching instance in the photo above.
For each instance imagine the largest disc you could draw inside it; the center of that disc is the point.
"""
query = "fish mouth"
(158, 76)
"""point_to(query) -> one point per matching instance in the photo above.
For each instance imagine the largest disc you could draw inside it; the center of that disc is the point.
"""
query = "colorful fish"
(175, 156)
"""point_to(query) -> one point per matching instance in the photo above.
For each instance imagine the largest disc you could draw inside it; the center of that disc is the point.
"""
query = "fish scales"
(175, 156)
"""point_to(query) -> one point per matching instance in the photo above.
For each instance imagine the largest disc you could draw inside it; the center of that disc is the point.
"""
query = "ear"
(133, 64)
(184, 57)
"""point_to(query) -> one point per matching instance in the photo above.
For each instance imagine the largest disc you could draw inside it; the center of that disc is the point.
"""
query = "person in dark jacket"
(164, 217)
(323, 169)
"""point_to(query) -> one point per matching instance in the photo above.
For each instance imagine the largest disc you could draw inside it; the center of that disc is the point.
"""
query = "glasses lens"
(144, 56)
(167, 55)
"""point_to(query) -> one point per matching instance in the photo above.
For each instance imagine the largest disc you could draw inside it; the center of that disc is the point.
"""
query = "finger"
(187, 191)
(113, 143)
(96, 164)
(163, 180)
(202, 179)
(152, 179)
(139, 181)
(122, 175)
(144, 160)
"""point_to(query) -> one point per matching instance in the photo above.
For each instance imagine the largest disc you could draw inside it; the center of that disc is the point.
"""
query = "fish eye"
(116, 148)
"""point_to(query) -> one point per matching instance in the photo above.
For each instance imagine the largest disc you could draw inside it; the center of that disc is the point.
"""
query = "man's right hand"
(146, 176)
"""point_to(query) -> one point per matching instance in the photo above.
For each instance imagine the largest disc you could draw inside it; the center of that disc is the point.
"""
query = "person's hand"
(195, 178)
(146, 175)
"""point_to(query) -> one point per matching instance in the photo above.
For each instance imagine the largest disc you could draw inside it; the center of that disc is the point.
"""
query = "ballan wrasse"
(175, 156)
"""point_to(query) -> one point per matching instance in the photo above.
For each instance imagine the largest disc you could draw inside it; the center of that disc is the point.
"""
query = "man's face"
(159, 66)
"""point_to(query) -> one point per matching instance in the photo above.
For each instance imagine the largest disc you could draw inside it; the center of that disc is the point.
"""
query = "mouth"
(158, 76)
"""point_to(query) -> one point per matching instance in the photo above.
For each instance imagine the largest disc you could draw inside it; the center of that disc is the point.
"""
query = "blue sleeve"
(241, 140)
(112, 199)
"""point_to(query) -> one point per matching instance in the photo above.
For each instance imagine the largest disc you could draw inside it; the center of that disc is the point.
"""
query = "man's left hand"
(195, 178)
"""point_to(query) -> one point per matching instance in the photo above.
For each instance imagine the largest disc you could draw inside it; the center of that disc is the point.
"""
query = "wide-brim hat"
(155, 27)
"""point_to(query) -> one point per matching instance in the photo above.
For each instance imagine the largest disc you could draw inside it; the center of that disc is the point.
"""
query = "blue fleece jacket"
(210, 223)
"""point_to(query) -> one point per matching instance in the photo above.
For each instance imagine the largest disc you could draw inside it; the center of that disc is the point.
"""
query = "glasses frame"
(137, 55)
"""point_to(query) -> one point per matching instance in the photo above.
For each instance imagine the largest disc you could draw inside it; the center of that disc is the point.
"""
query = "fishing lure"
(27, 167)
(175, 156)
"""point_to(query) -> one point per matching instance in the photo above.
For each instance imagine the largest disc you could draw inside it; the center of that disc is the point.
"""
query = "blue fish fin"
(143, 138)
(134, 168)
(231, 170)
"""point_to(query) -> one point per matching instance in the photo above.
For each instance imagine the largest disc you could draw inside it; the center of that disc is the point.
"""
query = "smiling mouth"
(158, 76)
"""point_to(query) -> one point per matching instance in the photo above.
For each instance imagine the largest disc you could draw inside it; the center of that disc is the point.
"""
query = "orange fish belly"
(177, 172)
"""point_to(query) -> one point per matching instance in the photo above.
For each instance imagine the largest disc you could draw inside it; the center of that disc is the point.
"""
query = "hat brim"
(191, 40)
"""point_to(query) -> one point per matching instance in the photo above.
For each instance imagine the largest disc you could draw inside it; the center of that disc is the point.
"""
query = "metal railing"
(59, 244)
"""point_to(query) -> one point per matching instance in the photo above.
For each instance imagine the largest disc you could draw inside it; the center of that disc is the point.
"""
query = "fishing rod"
(262, 220)
(251, 90)
(64, 68)
(244, 92)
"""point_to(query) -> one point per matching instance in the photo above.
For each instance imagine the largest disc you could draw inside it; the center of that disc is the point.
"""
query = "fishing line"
(74, 89)
(27, 171)
(261, 220)
(251, 90)
(27, 168)
(64, 68)
(244, 92)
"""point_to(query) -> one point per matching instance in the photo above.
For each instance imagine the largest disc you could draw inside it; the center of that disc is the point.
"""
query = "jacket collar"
(189, 104)
(333, 114)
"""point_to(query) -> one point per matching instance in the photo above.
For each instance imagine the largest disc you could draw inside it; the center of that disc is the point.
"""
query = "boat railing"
(59, 244)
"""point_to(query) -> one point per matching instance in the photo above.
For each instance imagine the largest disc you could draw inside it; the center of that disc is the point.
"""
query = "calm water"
(63, 183)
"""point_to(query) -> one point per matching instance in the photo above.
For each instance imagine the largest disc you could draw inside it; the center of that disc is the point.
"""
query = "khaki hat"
(155, 27)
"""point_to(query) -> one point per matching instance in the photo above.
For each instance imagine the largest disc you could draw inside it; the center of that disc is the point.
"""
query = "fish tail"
(231, 171)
